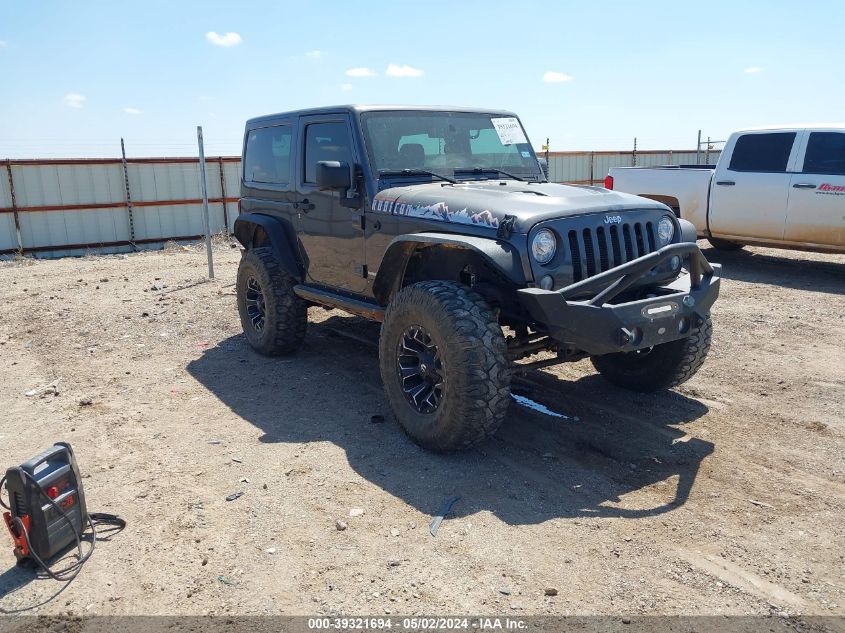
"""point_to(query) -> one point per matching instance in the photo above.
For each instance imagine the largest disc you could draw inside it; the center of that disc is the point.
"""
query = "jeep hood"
(487, 203)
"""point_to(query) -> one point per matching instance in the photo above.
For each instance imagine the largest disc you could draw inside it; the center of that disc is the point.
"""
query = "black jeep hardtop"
(440, 222)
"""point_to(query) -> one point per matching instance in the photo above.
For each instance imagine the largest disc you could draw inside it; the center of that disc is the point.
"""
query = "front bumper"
(597, 326)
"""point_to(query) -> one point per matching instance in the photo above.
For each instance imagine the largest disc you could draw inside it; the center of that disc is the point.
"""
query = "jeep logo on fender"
(613, 219)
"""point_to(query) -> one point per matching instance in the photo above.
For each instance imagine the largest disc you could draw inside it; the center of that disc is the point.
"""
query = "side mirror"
(333, 174)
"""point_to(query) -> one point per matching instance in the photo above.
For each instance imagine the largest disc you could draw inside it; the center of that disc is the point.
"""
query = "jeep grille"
(596, 250)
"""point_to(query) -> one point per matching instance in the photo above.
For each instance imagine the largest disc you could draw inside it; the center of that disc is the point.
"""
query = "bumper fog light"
(547, 283)
(683, 325)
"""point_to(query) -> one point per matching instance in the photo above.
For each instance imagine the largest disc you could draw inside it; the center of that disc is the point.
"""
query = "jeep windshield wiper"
(481, 170)
(415, 172)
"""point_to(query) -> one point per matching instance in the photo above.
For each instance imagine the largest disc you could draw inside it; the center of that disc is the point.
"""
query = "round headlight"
(665, 230)
(543, 246)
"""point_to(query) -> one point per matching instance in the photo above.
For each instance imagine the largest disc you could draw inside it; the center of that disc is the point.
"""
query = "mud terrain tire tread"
(477, 368)
(286, 315)
(673, 363)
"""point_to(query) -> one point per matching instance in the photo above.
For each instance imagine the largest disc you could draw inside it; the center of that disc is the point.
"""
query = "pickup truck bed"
(680, 188)
(782, 187)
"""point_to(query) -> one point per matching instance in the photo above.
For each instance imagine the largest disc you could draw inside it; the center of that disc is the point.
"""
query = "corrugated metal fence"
(588, 168)
(54, 208)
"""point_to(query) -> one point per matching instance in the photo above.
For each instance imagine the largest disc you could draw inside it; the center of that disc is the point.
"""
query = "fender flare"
(688, 231)
(502, 256)
(278, 231)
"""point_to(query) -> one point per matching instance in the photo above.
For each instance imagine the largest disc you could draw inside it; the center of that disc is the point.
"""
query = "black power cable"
(94, 518)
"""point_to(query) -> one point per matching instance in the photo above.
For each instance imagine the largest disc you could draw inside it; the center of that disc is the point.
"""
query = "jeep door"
(749, 194)
(331, 235)
(816, 210)
(268, 184)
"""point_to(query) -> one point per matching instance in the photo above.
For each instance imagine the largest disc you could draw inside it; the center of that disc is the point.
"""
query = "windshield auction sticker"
(509, 130)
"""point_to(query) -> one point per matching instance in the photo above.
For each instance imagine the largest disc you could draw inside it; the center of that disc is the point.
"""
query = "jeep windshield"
(459, 145)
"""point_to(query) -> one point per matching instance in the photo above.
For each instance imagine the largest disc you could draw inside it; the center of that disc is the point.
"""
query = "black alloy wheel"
(420, 369)
(255, 306)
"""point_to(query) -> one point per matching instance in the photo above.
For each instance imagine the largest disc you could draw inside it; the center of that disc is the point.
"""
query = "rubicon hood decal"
(486, 203)
(437, 211)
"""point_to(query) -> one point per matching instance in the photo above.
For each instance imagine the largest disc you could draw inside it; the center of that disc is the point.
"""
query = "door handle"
(803, 185)
(726, 183)
(304, 205)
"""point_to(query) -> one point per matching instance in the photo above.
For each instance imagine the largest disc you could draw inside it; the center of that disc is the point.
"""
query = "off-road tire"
(475, 367)
(724, 245)
(665, 366)
(285, 314)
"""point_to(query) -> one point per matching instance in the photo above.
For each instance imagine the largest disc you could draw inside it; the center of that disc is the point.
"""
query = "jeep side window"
(825, 154)
(325, 141)
(762, 152)
(267, 158)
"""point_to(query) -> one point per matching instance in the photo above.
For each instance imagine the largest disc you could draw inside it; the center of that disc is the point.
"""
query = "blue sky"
(76, 76)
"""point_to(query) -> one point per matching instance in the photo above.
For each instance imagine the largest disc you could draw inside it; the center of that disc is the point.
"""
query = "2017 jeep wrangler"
(440, 224)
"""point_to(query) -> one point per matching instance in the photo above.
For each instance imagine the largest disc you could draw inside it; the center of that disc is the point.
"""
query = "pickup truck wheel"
(272, 316)
(661, 367)
(444, 365)
(724, 245)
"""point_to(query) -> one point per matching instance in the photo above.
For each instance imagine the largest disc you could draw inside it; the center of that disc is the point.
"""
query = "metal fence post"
(128, 196)
(223, 196)
(205, 219)
(634, 154)
(698, 150)
(14, 206)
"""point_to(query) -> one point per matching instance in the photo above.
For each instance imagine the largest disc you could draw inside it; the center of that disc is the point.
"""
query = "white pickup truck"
(782, 187)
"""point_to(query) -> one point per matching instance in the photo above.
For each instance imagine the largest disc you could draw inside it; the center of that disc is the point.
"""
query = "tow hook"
(627, 336)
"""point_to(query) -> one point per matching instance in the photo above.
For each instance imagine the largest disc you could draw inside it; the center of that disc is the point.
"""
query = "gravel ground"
(724, 496)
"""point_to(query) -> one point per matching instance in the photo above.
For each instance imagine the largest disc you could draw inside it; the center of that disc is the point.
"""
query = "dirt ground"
(725, 496)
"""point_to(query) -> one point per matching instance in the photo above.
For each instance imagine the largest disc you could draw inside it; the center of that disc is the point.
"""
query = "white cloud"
(553, 77)
(315, 54)
(752, 70)
(132, 110)
(229, 39)
(74, 100)
(395, 70)
(361, 72)
(346, 87)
